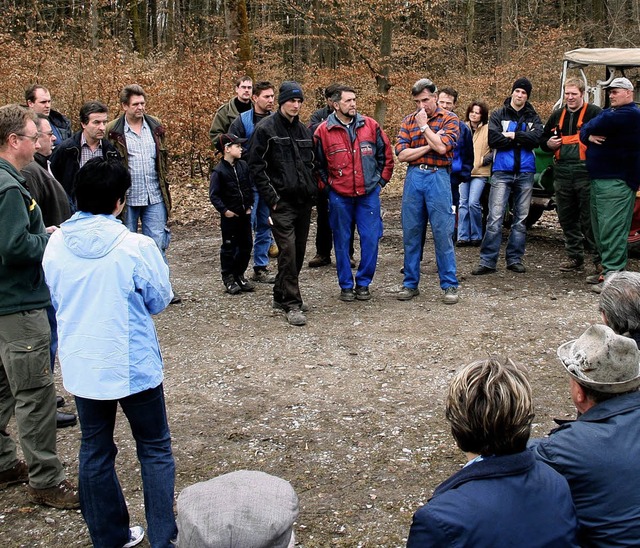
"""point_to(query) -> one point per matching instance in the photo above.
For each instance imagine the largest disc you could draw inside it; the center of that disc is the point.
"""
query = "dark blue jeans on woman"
(101, 499)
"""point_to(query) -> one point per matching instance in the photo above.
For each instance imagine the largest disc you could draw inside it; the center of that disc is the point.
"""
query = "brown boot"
(63, 496)
(319, 260)
(19, 473)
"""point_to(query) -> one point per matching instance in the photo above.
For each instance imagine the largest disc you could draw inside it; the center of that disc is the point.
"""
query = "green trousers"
(611, 212)
(573, 201)
(27, 389)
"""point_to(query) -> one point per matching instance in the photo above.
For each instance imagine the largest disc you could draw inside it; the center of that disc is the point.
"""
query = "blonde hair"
(490, 407)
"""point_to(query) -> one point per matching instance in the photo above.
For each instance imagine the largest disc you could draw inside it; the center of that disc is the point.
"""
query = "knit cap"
(522, 83)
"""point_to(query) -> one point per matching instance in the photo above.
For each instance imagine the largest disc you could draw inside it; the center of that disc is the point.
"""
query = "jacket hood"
(92, 236)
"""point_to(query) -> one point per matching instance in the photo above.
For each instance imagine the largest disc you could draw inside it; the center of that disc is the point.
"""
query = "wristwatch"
(422, 128)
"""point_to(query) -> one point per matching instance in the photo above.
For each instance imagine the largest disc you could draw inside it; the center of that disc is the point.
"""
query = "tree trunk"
(382, 79)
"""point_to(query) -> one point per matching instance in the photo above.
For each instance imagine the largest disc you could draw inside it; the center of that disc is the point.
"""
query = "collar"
(127, 127)
(83, 141)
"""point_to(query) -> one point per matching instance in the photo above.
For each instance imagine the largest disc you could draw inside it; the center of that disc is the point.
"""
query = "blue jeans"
(504, 183)
(101, 499)
(154, 223)
(365, 211)
(427, 197)
(262, 230)
(470, 210)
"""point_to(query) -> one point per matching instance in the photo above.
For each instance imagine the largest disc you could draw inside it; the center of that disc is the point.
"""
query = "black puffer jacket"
(230, 187)
(281, 161)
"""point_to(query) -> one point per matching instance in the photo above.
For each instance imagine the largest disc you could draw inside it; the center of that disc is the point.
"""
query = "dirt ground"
(349, 408)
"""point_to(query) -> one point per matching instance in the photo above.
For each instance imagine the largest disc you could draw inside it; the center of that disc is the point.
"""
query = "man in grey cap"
(243, 509)
(281, 162)
(613, 162)
(597, 453)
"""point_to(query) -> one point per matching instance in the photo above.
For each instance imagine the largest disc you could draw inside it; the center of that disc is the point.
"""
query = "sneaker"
(274, 251)
(518, 268)
(594, 279)
(263, 276)
(63, 496)
(136, 534)
(407, 293)
(362, 293)
(232, 286)
(245, 285)
(572, 265)
(450, 295)
(319, 260)
(18, 473)
(279, 306)
(482, 270)
(296, 317)
(348, 295)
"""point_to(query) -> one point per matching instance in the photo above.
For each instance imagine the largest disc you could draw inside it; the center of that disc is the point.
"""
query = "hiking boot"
(245, 285)
(279, 306)
(136, 534)
(18, 473)
(450, 295)
(482, 270)
(518, 268)
(362, 293)
(348, 295)
(60, 401)
(319, 260)
(594, 278)
(463, 243)
(274, 251)
(296, 317)
(475, 243)
(572, 264)
(407, 293)
(263, 276)
(63, 496)
(232, 286)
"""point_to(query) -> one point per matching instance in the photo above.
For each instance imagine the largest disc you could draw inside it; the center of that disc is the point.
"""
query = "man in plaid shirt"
(426, 141)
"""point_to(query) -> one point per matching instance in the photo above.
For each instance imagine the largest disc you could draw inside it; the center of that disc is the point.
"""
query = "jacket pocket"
(338, 156)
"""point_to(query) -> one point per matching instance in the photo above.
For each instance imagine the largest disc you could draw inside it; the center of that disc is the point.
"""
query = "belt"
(427, 167)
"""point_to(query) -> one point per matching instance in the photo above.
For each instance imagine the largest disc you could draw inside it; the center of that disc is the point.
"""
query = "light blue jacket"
(105, 283)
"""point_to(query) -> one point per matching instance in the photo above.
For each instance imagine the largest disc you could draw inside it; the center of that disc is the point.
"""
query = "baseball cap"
(229, 139)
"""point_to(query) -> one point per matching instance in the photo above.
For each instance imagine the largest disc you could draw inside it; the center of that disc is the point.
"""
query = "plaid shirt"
(141, 153)
(86, 153)
(410, 136)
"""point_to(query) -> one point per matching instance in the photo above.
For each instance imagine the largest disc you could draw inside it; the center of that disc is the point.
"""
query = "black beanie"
(523, 83)
(289, 90)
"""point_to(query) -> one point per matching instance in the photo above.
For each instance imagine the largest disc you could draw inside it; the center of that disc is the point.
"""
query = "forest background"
(188, 53)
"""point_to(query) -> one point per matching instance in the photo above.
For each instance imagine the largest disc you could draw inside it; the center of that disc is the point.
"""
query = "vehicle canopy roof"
(613, 57)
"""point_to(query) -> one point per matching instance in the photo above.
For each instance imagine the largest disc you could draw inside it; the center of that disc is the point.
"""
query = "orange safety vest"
(573, 139)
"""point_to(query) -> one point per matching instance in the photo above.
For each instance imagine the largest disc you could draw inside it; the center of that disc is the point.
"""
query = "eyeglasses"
(34, 138)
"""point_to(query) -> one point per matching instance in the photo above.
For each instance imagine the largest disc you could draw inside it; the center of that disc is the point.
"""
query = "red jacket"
(353, 169)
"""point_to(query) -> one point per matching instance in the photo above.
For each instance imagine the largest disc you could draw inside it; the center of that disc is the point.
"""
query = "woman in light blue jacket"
(105, 284)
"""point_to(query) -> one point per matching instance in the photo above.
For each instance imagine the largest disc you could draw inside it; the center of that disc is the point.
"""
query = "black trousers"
(237, 243)
(290, 231)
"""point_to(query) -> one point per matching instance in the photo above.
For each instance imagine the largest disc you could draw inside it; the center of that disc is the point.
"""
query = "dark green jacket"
(115, 135)
(22, 243)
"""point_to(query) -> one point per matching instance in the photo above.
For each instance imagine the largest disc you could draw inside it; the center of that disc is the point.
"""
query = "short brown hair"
(13, 119)
(490, 407)
(129, 91)
(30, 92)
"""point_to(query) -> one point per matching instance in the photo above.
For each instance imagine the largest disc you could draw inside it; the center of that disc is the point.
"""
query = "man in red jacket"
(355, 161)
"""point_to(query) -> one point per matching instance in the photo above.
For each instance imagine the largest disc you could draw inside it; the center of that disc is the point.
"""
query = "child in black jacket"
(231, 194)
